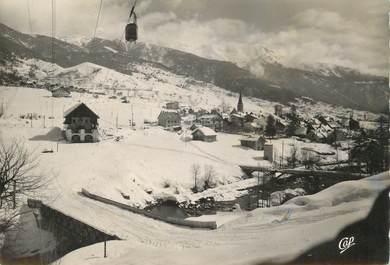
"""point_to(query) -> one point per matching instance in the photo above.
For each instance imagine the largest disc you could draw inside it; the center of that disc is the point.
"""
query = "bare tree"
(209, 177)
(195, 169)
(16, 178)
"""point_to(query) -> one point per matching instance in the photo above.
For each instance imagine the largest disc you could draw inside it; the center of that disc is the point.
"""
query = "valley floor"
(152, 163)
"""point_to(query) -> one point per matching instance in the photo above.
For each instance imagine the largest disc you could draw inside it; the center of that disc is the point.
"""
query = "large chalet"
(81, 124)
(169, 118)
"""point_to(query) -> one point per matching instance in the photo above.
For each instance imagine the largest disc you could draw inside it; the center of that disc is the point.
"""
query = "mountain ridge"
(345, 87)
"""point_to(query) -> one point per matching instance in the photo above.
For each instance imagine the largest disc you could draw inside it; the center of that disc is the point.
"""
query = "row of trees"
(204, 181)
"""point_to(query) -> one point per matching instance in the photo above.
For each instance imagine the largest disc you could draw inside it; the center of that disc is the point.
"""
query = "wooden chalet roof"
(172, 114)
(80, 108)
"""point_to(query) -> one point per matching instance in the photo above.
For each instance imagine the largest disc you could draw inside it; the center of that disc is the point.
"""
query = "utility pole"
(335, 144)
(195, 184)
(44, 121)
(281, 163)
(52, 113)
(132, 116)
(2, 108)
(258, 189)
(105, 248)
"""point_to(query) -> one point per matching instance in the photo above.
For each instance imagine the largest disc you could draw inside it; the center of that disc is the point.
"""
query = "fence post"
(105, 248)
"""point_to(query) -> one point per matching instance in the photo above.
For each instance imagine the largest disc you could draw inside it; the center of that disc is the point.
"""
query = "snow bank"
(263, 234)
(340, 193)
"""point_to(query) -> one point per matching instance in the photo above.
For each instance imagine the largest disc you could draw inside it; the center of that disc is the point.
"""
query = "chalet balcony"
(82, 135)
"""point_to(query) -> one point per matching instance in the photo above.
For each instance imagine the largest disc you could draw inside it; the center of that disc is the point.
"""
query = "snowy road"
(236, 242)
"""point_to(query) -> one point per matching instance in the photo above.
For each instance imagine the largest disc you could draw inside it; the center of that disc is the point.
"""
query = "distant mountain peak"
(261, 76)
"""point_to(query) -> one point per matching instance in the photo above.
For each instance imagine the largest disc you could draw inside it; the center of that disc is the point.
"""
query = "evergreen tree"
(270, 128)
(382, 135)
(371, 150)
(293, 124)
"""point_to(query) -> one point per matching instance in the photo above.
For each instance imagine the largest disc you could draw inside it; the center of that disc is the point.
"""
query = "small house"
(250, 117)
(354, 124)
(194, 127)
(169, 118)
(301, 130)
(278, 110)
(280, 125)
(256, 143)
(237, 120)
(213, 121)
(172, 105)
(60, 93)
(81, 124)
(189, 119)
(204, 134)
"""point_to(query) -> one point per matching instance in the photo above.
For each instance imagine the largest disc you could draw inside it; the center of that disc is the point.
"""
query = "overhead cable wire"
(98, 18)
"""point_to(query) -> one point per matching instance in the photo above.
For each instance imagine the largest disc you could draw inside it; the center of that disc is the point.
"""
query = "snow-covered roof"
(60, 89)
(208, 116)
(238, 115)
(252, 138)
(206, 131)
(164, 110)
(76, 107)
(171, 114)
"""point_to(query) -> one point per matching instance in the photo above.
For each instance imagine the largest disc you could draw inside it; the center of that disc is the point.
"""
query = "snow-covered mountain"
(331, 84)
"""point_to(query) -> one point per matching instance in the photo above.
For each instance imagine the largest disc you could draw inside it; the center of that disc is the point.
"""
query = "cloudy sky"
(351, 33)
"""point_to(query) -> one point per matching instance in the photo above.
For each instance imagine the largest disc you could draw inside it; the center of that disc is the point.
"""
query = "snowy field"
(144, 160)
(160, 161)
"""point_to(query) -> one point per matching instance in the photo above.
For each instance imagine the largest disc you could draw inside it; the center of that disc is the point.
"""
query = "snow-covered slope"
(146, 159)
(277, 82)
(243, 240)
(146, 81)
(159, 161)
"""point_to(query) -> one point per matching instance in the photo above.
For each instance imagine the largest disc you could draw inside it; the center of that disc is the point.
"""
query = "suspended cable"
(29, 16)
(53, 28)
(98, 18)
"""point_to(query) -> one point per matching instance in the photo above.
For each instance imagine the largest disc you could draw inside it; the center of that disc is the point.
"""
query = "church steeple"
(240, 105)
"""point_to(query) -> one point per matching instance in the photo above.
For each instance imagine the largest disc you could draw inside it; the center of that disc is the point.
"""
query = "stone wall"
(69, 232)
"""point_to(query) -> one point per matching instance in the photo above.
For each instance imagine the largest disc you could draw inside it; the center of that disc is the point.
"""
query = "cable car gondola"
(131, 30)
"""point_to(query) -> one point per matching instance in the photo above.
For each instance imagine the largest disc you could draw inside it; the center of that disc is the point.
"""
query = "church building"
(240, 105)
